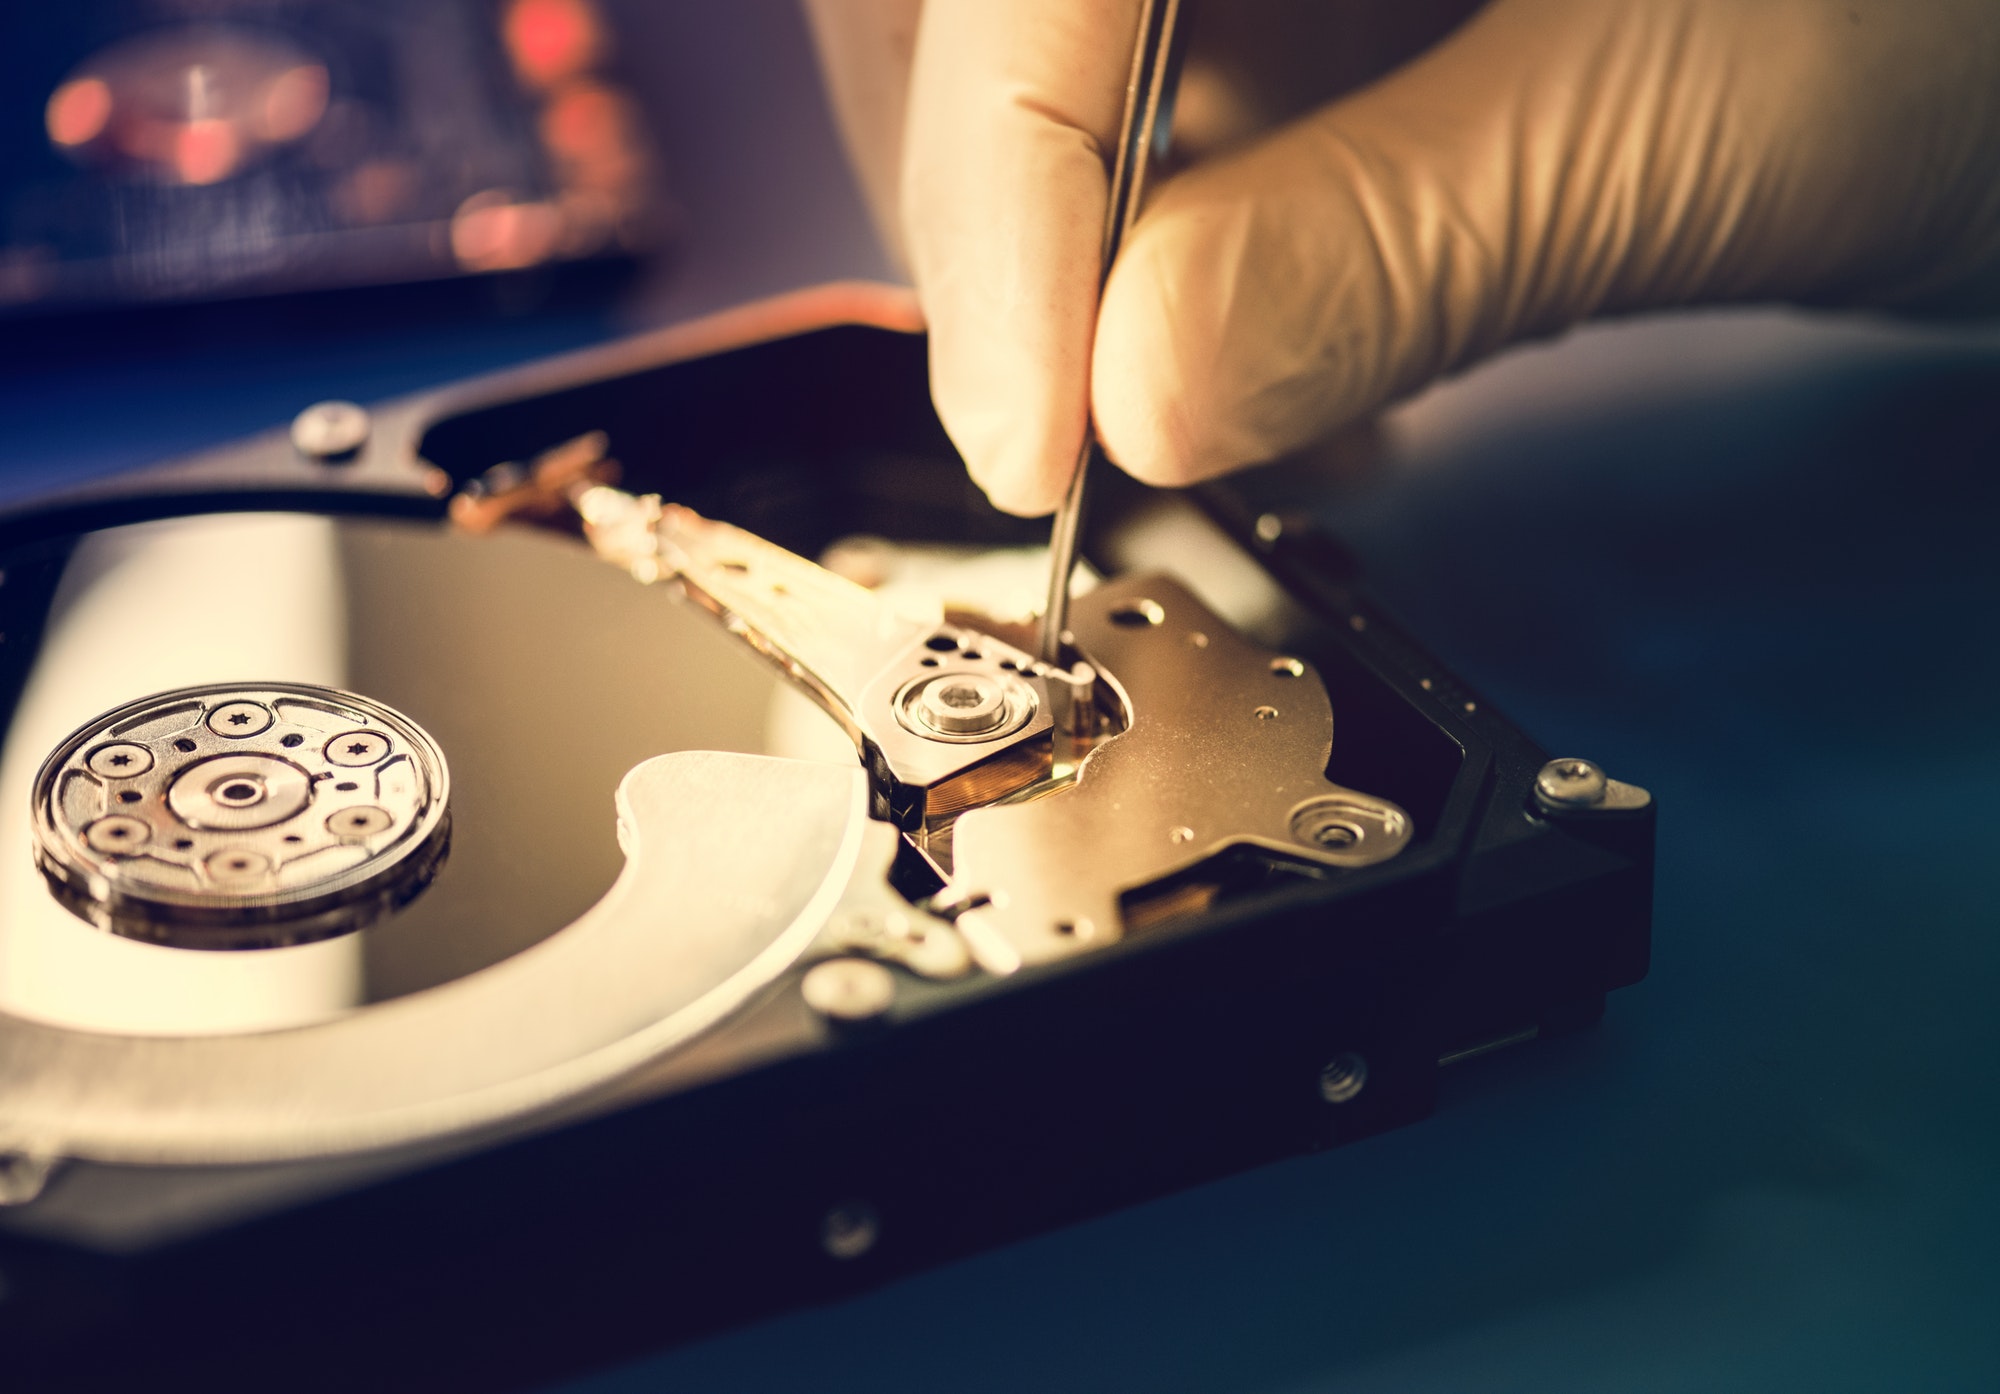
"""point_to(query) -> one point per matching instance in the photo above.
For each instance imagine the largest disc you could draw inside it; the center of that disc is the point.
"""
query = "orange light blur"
(549, 40)
(375, 191)
(78, 111)
(589, 128)
(293, 103)
(206, 152)
(491, 232)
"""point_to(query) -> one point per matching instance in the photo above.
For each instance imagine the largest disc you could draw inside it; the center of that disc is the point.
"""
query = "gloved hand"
(1549, 161)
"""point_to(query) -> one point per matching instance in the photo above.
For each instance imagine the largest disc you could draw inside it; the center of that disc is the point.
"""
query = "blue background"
(1747, 560)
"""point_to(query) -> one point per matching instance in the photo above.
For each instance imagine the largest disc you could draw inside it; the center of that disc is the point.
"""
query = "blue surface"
(76, 407)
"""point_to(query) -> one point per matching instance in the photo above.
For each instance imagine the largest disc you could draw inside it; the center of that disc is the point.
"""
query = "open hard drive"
(589, 857)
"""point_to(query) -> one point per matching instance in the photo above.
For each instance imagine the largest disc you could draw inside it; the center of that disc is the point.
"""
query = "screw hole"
(1287, 668)
(1331, 825)
(850, 1230)
(941, 643)
(184, 745)
(183, 843)
(1138, 614)
(1266, 713)
(1343, 1077)
(292, 741)
(347, 786)
(928, 662)
(128, 796)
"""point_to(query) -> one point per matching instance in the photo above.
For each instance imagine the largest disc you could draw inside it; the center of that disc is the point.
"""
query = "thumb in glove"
(1550, 161)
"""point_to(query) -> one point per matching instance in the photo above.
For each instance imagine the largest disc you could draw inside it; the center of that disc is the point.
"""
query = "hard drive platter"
(482, 637)
(500, 644)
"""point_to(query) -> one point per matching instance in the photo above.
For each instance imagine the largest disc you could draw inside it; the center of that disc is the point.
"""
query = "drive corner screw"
(1343, 1077)
(850, 1230)
(1570, 783)
(331, 432)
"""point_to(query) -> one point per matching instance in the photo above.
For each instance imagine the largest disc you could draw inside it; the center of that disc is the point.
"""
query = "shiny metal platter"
(516, 653)
(667, 953)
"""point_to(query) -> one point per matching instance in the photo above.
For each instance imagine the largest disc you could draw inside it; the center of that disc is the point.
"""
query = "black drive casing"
(980, 1111)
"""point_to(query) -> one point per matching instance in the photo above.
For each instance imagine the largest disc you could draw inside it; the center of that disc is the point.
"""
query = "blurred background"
(1744, 558)
(215, 212)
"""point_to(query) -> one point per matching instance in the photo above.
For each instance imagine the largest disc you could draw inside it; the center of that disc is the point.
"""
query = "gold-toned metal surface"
(873, 662)
(1227, 746)
(539, 491)
(1170, 740)
(872, 919)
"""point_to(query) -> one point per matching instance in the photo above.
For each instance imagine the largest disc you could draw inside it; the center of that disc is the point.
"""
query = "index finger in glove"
(1013, 118)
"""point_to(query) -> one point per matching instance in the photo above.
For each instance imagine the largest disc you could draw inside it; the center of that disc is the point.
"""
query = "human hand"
(1549, 161)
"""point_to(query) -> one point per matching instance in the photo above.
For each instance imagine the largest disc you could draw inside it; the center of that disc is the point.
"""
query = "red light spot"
(78, 110)
(551, 39)
(206, 152)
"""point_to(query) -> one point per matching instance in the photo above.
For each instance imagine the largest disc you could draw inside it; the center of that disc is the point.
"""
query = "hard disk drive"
(529, 873)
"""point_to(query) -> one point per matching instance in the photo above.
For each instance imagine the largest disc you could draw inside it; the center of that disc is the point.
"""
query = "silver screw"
(357, 748)
(849, 989)
(1343, 1077)
(239, 719)
(850, 1230)
(1571, 783)
(121, 760)
(330, 432)
(962, 704)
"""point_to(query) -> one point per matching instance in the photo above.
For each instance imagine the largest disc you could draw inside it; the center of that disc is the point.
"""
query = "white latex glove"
(1549, 161)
